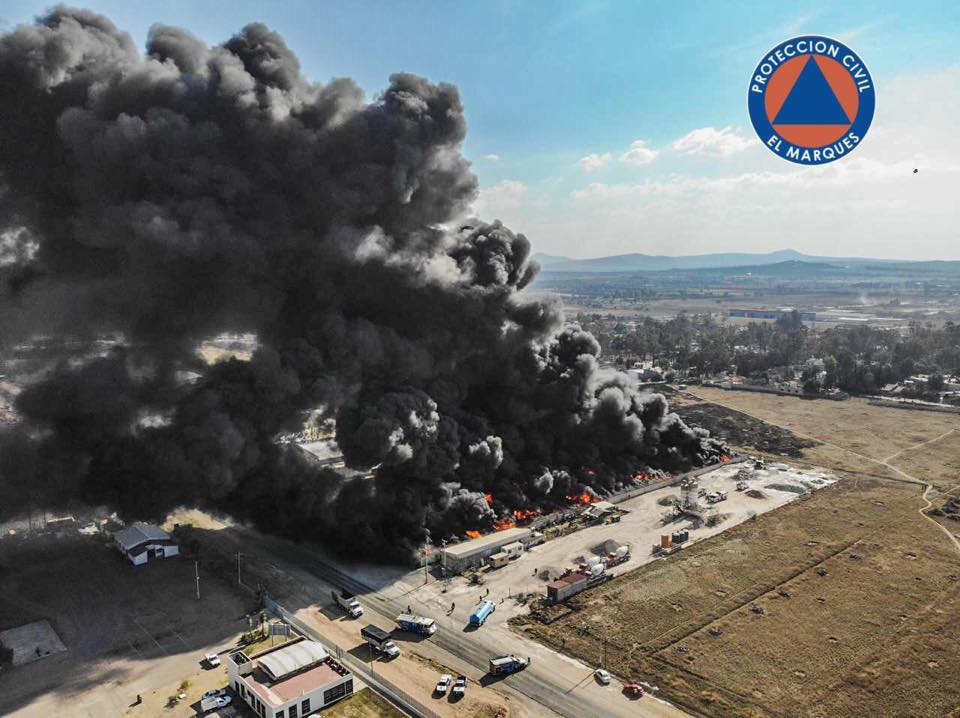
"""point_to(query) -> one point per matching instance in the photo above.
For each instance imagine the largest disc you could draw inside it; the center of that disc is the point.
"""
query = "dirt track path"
(934, 440)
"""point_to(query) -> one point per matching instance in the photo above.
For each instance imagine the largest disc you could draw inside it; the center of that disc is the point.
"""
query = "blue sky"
(546, 84)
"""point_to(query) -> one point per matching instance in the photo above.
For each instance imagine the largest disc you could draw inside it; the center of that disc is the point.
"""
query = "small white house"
(142, 542)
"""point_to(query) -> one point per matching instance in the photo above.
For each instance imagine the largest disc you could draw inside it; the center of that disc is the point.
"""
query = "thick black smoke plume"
(167, 198)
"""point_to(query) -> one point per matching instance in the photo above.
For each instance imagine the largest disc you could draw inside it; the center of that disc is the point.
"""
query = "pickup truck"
(348, 602)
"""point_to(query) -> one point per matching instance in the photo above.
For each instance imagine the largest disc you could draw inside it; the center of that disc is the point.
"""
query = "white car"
(212, 659)
(215, 693)
(459, 687)
(444, 683)
(223, 701)
(602, 676)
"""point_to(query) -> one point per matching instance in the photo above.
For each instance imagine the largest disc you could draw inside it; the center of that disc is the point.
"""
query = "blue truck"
(416, 624)
(482, 612)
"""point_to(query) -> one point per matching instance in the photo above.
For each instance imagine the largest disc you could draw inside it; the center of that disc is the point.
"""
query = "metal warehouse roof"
(494, 540)
(139, 533)
(292, 658)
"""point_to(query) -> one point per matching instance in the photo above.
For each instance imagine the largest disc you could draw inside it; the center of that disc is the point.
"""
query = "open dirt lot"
(127, 629)
(838, 604)
(888, 571)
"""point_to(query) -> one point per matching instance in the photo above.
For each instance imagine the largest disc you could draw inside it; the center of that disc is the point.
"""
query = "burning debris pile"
(171, 197)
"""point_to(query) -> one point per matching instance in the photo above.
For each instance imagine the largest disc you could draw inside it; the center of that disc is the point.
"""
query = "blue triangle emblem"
(811, 101)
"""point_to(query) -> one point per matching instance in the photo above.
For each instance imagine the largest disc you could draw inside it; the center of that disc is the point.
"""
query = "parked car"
(215, 693)
(212, 704)
(602, 676)
(212, 659)
(444, 683)
(459, 687)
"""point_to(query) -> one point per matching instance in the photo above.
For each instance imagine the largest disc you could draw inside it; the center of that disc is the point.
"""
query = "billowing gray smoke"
(169, 198)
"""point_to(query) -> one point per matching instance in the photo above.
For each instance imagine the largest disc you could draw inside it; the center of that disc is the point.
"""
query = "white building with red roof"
(289, 681)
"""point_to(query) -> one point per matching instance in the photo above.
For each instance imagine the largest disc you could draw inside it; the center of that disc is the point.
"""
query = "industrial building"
(770, 314)
(142, 542)
(470, 554)
(289, 681)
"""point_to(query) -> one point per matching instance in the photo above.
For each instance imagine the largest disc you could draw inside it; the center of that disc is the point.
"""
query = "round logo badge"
(811, 100)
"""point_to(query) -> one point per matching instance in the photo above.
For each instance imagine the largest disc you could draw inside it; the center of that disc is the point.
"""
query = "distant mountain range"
(659, 263)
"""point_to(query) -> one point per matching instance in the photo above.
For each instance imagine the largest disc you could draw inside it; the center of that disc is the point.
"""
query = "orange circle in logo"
(840, 82)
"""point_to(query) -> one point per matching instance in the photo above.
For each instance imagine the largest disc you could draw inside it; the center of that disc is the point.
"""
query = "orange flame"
(489, 498)
(591, 472)
(525, 514)
(583, 498)
(724, 458)
(642, 476)
(504, 524)
(473, 534)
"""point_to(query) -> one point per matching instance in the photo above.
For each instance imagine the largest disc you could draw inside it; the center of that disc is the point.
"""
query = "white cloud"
(639, 153)
(594, 161)
(867, 204)
(711, 142)
(501, 201)
(492, 158)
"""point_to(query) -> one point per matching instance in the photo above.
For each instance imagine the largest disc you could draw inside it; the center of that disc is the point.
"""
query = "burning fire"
(724, 458)
(504, 524)
(489, 498)
(591, 472)
(473, 534)
(583, 498)
(642, 476)
(525, 514)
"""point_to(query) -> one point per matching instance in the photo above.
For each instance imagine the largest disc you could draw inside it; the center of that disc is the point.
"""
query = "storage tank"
(665, 541)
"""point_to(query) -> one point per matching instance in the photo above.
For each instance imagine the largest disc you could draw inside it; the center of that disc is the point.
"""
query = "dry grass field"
(937, 462)
(854, 425)
(841, 604)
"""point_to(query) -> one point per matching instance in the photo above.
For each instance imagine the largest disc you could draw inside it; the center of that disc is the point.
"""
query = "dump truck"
(380, 640)
(416, 624)
(507, 664)
(482, 612)
(348, 602)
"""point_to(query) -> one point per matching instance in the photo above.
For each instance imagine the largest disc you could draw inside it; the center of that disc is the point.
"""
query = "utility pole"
(443, 563)
(239, 582)
(196, 570)
(426, 543)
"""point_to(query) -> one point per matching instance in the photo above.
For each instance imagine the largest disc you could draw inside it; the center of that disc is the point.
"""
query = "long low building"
(289, 681)
(472, 553)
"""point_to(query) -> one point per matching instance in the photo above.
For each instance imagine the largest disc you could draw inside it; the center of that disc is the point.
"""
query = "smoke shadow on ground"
(94, 599)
